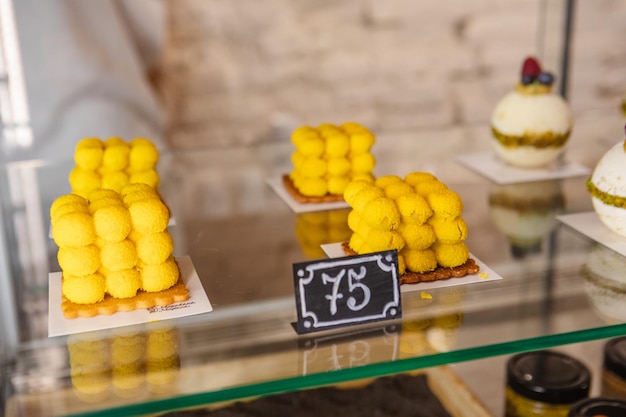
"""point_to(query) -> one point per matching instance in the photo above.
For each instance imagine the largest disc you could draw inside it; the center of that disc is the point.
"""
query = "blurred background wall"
(244, 72)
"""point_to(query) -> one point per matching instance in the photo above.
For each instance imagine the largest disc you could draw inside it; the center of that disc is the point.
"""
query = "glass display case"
(243, 239)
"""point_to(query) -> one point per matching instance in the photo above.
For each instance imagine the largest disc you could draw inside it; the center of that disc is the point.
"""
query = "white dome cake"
(531, 125)
(607, 187)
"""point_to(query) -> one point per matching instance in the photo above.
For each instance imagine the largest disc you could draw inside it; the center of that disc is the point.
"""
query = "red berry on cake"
(531, 67)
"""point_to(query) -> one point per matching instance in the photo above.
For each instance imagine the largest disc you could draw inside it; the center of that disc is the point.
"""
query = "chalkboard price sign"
(346, 291)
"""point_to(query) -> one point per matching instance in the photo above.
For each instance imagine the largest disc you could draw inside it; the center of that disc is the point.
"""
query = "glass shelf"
(243, 239)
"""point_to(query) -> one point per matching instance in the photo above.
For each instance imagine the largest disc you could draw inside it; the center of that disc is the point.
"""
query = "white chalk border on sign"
(376, 287)
(590, 225)
(493, 168)
(197, 303)
(277, 185)
(486, 274)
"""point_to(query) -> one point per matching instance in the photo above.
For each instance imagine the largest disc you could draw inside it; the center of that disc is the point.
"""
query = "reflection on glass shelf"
(605, 282)
(321, 227)
(525, 213)
(126, 364)
(243, 249)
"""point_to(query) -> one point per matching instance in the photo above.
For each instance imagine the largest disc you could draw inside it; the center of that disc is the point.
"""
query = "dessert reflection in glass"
(526, 213)
(314, 229)
(605, 283)
(125, 363)
(434, 323)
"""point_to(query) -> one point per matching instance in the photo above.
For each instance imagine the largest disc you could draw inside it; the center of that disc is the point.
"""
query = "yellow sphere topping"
(354, 220)
(415, 178)
(353, 189)
(394, 191)
(401, 265)
(103, 193)
(417, 236)
(89, 143)
(124, 283)
(312, 147)
(79, 261)
(313, 187)
(387, 180)
(83, 181)
(356, 243)
(313, 167)
(361, 142)
(337, 145)
(363, 229)
(159, 277)
(138, 187)
(116, 256)
(65, 199)
(425, 188)
(297, 158)
(413, 208)
(380, 240)
(112, 223)
(68, 208)
(367, 194)
(453, 255)
(336, 185)
(88, 154)
(87, 289)
(353, 127)
(143, 155)
(135, 196)
(419, 260)
(303, 134)
(115, 157)
(114, 180)
(449, 231)
(96, 205)
(114, 141)
(74, 229)
(381, 213)
(155, 248)
(364, 162)
(446, 204)
(149, 177)
(149, 216)
(362, 176)
(338, 167)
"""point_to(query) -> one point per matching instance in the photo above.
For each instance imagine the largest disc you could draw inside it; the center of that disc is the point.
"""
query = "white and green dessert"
(531, 124)
(607, 187)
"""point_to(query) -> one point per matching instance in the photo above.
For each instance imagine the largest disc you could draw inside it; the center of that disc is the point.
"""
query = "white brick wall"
(241, 72)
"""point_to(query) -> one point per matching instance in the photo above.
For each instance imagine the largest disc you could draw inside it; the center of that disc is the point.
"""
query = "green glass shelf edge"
(367, 371)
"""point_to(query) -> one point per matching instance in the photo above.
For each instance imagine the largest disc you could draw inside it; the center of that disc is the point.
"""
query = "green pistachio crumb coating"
(543, 140)
(606, 198)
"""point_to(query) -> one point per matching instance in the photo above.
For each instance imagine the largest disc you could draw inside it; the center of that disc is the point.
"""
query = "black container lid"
(549, 377)
(599, 406)
(615, 356)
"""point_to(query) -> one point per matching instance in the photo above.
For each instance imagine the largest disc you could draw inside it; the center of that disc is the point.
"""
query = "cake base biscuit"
(293, 191)
(175, 294)
(409, 277)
